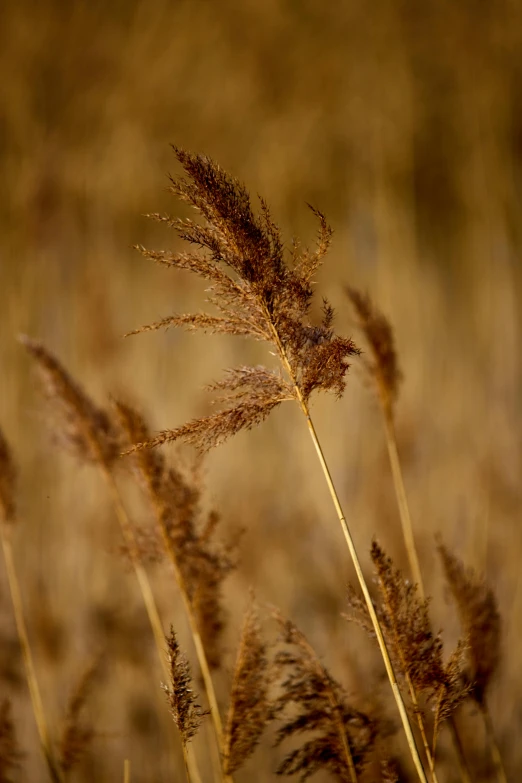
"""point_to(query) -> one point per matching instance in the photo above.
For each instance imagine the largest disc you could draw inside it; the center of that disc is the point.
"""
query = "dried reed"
(250, 708)
(416, 650)
(256, 293)
(187, 714)
(77, 733)
(198, 567)
(90, 434)
(481, 621)
(384, 373)
(7, 522)
(344, 736)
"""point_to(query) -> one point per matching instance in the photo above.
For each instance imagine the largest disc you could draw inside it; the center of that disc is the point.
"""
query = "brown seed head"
(342, 737)
(250, 708)
(180, 696)
(384, 367)
(480, 620)
(255, 291)
(86, 430)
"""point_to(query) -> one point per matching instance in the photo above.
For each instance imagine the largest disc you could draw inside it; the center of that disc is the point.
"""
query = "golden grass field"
(401, 122)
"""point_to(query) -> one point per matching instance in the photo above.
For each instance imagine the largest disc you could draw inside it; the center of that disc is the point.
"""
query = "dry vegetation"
(127, 578)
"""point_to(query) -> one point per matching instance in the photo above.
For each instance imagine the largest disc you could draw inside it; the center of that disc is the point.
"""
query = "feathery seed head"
(85, 429)
(378, 331)
(181, 698)
(257, 292)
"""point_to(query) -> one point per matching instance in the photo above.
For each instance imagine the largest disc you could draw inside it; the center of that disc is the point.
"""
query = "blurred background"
(402, 122)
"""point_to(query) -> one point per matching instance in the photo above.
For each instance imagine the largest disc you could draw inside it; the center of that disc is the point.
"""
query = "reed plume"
(481, 622)
(78, 732)
(385, 375)
(250, 708)
(256, 291)
(91, 434)
(185, 711)
(343, 736)
(8, 475)
(416, 650)
(200, 566)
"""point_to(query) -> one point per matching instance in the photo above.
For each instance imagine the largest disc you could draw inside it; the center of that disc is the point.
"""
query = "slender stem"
(30, 672)
(402, 500)
(126, 771)
(495, 750)
(186, 762)
(356, 562)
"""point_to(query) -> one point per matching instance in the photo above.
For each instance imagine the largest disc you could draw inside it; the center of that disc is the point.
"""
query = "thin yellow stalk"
(402, 500)
(126, 771)
(358, 568)
(186, 762)
(495, 751)
(30, 672)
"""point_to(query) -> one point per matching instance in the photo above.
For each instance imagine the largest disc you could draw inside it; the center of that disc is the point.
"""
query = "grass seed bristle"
(187, 714)
(344, 736)
(250, 708)
(384, 367)
(84, 428)
(480, 620)
(77, 733)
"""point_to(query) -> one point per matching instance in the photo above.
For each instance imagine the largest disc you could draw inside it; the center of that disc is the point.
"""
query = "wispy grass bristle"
(480, 619)
(250, 708)
(313, 702)
(186, 712)
(377, 329)
(78, 732)
(81, 426)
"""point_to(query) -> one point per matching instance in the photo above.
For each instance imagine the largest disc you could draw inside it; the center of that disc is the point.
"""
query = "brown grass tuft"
(480, 619)
(85, 429)
(417, 652)
(250, 708)
(344, 736)
(187, 714)
(77, 733)
(189, 538)
(384, 367)
(256, 292)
